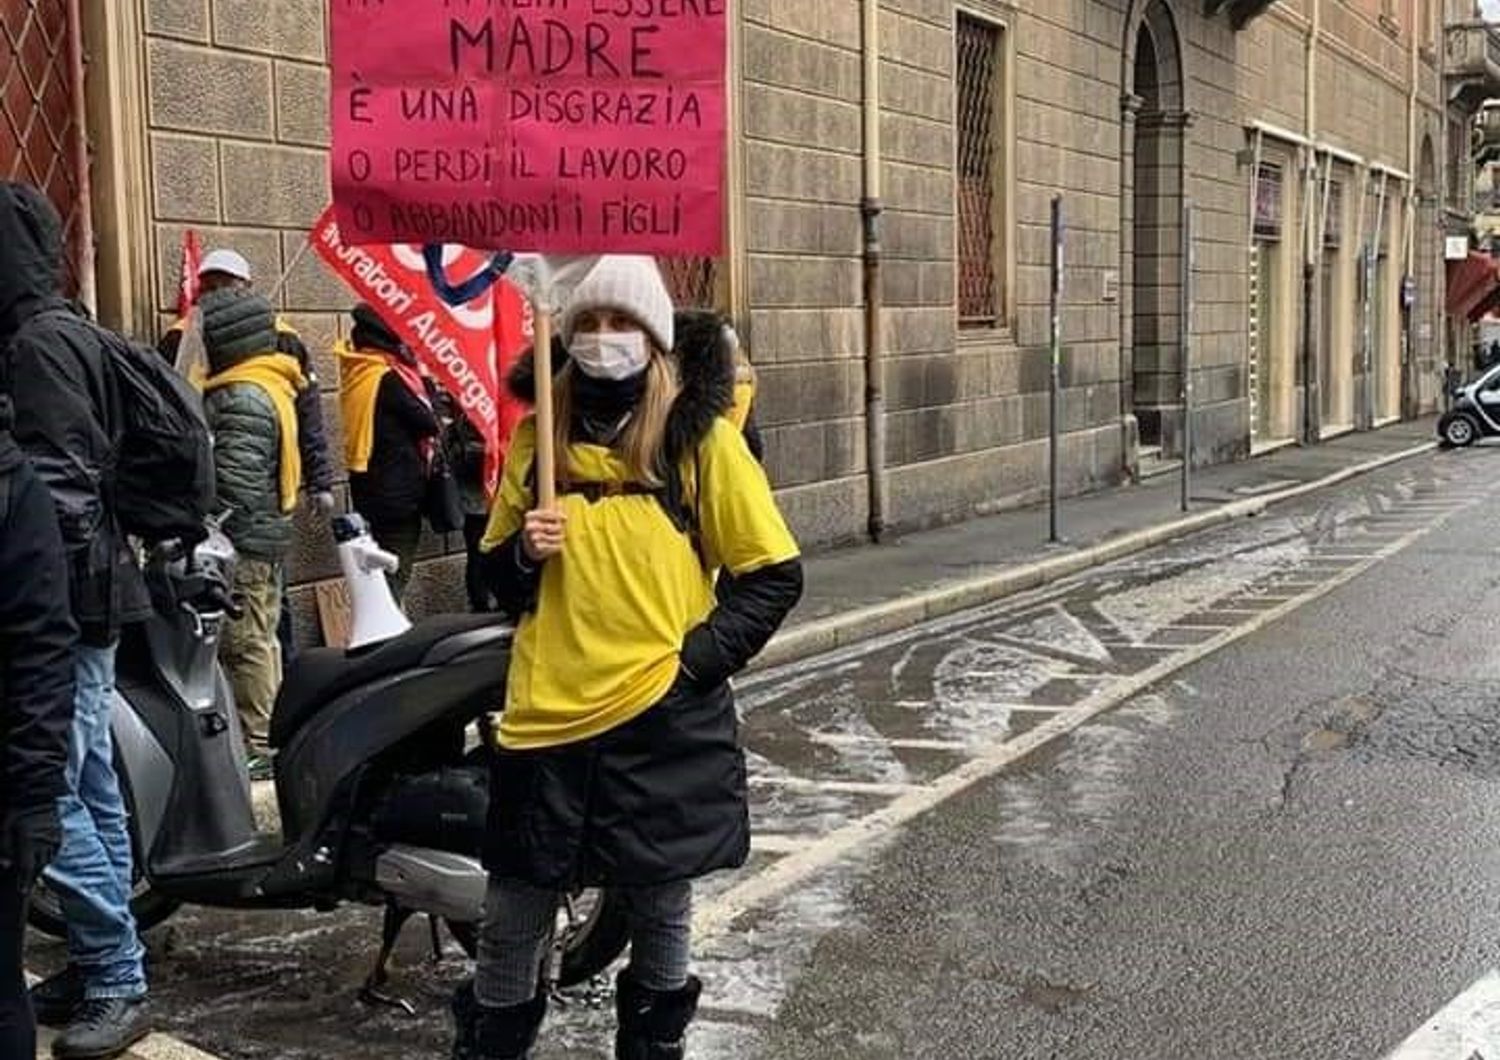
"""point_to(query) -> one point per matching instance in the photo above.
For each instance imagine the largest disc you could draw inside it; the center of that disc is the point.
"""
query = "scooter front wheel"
(594, 929)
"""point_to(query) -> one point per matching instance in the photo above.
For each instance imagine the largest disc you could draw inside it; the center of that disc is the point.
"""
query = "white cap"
(627, 283)
(229, 262)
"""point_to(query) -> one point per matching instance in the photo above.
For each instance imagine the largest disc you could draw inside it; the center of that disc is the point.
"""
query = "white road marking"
(846, 739)
(837, 787)
(1033, 708)
(775, 843)
(1467, 1028)
(1208, 627)
(792, 871)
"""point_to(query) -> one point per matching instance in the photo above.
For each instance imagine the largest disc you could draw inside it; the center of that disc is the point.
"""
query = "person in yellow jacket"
(228, 268)
(616, 761)
(250, 398)
(390, 432)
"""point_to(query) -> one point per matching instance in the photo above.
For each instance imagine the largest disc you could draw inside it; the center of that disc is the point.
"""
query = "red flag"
(187, 283)
(512, 338)
(467, 348)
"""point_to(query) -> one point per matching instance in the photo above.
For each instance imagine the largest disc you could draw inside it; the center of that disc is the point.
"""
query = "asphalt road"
(1287, 850)
(1232, 798)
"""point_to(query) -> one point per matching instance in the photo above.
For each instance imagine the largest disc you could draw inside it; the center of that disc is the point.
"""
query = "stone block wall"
(237, 118)
(237, 124)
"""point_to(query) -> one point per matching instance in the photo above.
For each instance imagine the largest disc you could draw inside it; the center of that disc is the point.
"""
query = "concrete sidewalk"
(856, 593)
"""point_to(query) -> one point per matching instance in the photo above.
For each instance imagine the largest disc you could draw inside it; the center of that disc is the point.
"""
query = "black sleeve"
(753, 439)
(312, 432)
(415, 414)
(751, 608)
(312, 441)
(37, 631)
(57, 427)
(512, 577)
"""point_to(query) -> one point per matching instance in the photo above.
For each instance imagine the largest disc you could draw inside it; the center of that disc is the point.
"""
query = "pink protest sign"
(552, 126)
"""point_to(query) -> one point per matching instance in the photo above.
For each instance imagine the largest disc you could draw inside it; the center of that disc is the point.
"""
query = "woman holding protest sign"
(617, 760)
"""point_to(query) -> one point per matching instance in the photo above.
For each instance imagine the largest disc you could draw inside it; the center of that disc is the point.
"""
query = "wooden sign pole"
(546, 458)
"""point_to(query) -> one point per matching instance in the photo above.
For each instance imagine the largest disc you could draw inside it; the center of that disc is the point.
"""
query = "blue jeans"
(91, 873)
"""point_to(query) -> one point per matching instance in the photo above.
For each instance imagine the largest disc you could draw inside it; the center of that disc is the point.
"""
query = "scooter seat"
(319, 676)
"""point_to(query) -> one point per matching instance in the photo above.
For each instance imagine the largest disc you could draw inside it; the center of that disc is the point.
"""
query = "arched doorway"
(1423, 354)
(1151, 176)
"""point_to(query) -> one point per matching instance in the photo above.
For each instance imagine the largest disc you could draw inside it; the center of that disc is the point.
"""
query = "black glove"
(29, 841)
(704, 666)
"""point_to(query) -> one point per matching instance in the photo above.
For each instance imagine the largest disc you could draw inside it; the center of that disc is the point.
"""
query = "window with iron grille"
(1268, 201)
(695, 283)
(979, 75)
(1333, 218)
(1459, 167)
(38, 133)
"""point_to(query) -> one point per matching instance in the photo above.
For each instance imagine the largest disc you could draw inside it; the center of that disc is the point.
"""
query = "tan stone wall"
(235, 93)
(237, 98)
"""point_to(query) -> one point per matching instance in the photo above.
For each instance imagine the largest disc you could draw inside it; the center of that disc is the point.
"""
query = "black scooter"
(379, 801)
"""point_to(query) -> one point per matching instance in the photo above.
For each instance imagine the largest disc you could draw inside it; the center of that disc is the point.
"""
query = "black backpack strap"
(685, 514)
(686, 511)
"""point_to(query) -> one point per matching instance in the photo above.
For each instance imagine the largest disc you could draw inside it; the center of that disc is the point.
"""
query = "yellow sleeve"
(513, 499)
(742, 528)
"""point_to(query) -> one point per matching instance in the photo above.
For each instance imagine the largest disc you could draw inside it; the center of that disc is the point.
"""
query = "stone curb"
(838, 631)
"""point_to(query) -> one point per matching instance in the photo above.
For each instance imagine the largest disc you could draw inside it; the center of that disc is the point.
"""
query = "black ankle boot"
(653, 1024)
(494, 1033)
(465, 1008)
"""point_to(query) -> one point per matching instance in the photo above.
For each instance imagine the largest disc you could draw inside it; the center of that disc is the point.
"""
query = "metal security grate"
(1333, 219)
(38, 133)
(1268, 203)
(694, 282)
(977, 73)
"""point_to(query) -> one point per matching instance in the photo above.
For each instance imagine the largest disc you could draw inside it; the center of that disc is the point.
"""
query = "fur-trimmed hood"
(706, 365)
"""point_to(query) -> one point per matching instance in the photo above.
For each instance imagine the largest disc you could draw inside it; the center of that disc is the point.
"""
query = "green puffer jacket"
(247, 460)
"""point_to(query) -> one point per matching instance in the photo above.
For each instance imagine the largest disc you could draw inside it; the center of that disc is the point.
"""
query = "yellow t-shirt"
(614, 606)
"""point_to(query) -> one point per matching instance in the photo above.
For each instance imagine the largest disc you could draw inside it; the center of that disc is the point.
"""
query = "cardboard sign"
(554, 126)
(468, 348)
(335, 613)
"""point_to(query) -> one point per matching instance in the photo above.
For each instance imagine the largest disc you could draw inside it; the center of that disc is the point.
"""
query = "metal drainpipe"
(84, 230)
(1407, 375)
(870, 208)
(1311, 239)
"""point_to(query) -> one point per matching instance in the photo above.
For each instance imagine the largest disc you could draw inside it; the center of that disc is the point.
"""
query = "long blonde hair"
(642, 444)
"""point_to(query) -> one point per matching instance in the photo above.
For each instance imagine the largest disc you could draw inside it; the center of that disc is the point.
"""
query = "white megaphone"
(365, 565)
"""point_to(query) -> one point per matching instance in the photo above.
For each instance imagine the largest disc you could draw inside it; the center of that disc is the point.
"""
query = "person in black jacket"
(37, 637)
(617, 759)
(390, 430)
(466, 455)
(60, 377)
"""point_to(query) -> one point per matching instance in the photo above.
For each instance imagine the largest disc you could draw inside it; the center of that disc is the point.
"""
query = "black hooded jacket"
(393, 489)
(56, 367)
(751, 607)
(36, 636)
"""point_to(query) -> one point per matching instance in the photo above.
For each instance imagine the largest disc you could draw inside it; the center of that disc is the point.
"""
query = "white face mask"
(612, 355)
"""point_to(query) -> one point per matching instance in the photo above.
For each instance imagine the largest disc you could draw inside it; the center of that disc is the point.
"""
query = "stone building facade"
(1309, 136)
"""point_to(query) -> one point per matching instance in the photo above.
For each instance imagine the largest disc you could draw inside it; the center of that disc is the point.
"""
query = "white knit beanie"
(626, 283)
